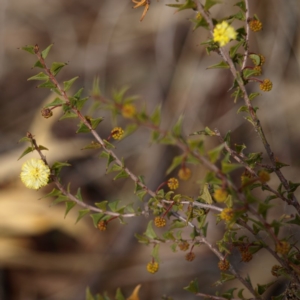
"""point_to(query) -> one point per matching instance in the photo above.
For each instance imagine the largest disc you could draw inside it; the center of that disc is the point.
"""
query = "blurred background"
(44, 255)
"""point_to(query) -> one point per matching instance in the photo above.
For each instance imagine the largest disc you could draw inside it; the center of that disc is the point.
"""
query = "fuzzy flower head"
(173, 183)
(117, 133)
(35, 173)
(152, 267)
(223, 33)
(128, 111)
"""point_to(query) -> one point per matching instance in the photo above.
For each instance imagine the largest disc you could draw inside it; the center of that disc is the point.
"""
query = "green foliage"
(244, 205)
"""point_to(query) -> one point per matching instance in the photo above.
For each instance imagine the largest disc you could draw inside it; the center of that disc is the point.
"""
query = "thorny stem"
(240, 160)
(71, 196)
(254, 119)
(207, 163)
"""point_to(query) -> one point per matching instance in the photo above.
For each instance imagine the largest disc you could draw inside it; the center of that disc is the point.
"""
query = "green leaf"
(235, 48)
(189, 4)
(119, 95)
(177, 224)
(206, 131)
(69, 206)
(261, 288)
(69, 83)
(155, 252)
(122, 174)
(295, 221)
(82, 128)
(56, 67)
(26, 151)
(255, 58)
(210, 3)
(29, 49)
(46, 51)
(54, 193)
(96, 218)
(24, 139)
(226, 277)
(114, 205)
(178, 126)
(205, 195)
(193, 287)
(156, 116)
(81, 214)
(68, 115)
(220, 65)
(253, 159)
(253, 95)
(249, 72)
(92, 145)
(102, 205)
(88, 294)
(241, 5)
(215, 153)
(150, 233)
(177, 160)
(239, 16)
(57, 101)
(38, 64)
(229, 167)
(48, 84)
(80, 103)
(119, 295)
(229, 293)
(39, 76)
(95, 122)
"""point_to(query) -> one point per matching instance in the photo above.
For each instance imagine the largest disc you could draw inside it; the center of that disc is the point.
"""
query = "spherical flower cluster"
(266, 85)
(223, 265)
(264, 176)
(255, 25)
(262, 59)
(283, 247)
(223, 33)
(102, 225)
(46, 112)
(184, 245)
(152, 267)
(220, 195)
(159, 222)
(190, 256)
(227, 214)
(128, 111)
(184, 173)
(35, 174)
(246, 256)
(117, 133)
(276, 270)
(258, 70)
(173, 183)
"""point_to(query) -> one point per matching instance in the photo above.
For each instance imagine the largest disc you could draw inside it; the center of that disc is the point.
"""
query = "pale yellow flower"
(35, 173)
(223, 33)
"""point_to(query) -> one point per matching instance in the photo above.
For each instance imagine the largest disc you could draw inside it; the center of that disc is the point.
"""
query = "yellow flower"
(128, 111)
(266, 85)
(283, 247)
(152, 267)
(173, 183)
(223, 33)
(255, 25)
(184, 173)
(117, 133)
(35, 173)
(220, 195)
(227, 214)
